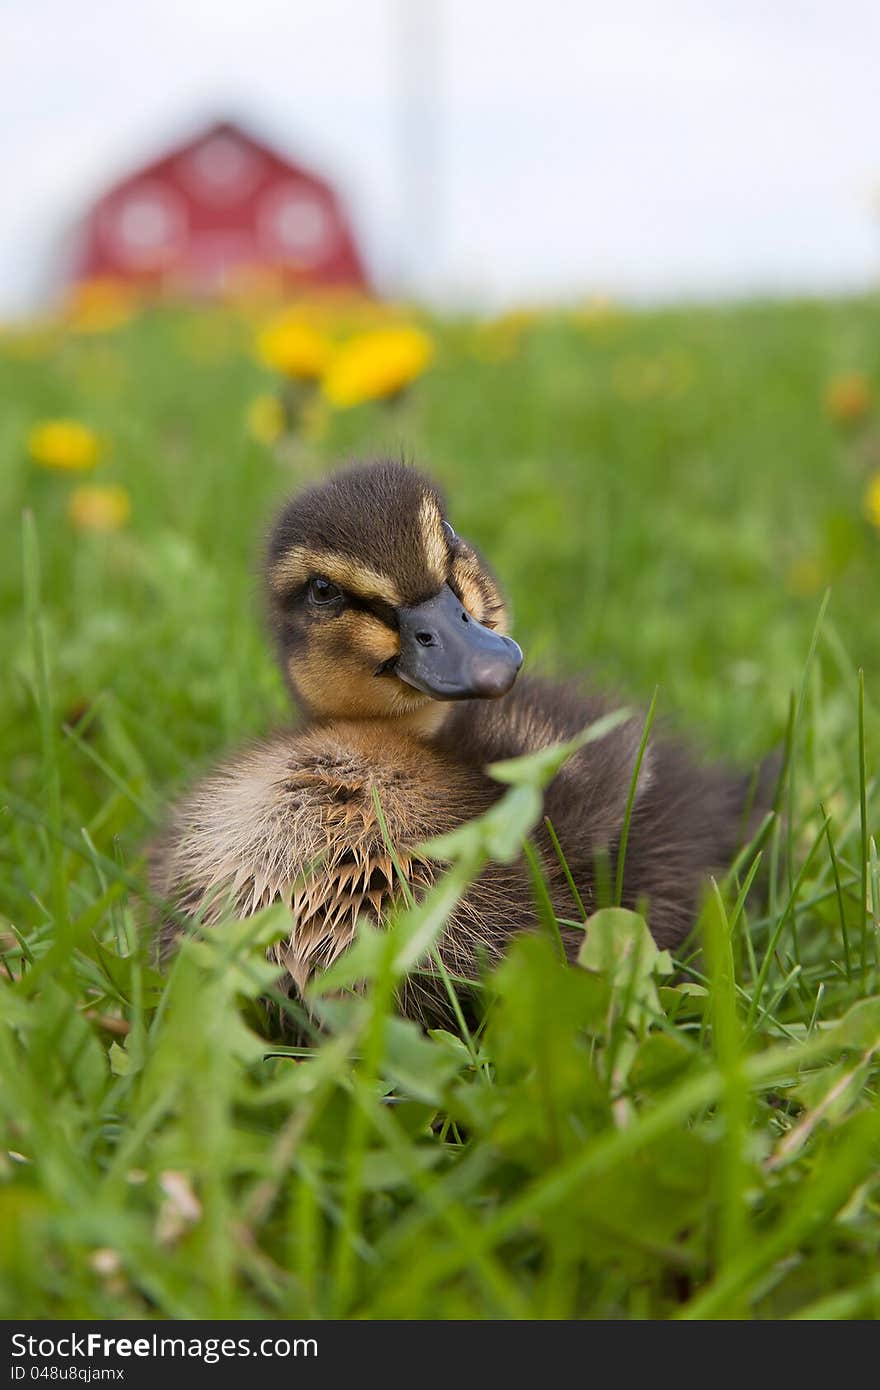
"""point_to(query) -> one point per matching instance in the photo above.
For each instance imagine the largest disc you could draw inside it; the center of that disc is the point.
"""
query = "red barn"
(218, 206)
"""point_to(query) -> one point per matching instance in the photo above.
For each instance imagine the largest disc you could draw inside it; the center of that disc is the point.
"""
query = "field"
(683, 500)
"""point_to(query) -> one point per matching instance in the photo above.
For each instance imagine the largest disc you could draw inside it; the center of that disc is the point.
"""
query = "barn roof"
(221, 128)
(217, 201)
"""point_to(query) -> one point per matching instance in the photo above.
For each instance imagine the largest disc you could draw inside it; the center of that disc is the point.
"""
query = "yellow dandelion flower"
(265, 418)
(100, 305)
(848, 398)
(376, 365)
(99, 508)
(872, 501)
(295, 348)
(64, 444)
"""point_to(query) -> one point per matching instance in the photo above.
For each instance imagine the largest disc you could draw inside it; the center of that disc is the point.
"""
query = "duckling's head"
(380, 610)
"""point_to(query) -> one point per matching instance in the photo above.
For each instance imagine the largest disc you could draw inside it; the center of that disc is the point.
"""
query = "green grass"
(667, 502)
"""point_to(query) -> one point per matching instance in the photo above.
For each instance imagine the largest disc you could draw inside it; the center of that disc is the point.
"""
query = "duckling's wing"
(688, 821)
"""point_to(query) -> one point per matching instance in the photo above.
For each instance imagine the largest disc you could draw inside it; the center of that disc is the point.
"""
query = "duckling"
(392, 635)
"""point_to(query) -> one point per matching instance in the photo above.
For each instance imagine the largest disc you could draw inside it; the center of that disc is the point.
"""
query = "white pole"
(418, 119)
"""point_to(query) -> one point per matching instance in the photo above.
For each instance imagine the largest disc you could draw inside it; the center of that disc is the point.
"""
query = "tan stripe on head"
(434, 538)
(301, 562)
(479, 594)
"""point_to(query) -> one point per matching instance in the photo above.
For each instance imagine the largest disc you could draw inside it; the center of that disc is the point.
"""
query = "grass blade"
(634, 782)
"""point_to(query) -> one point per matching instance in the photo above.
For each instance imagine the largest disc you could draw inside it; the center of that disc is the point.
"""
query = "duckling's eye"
(322, 590)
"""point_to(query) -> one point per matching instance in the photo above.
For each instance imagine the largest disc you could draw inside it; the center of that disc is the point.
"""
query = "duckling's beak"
(446, 653)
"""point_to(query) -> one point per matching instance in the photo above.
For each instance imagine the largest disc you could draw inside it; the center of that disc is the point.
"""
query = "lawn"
(677, 500)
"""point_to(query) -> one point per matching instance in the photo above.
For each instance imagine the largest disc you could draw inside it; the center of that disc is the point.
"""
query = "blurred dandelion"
(295, 348)
(848, 398)
(872, 501)
(99, 508)
(64, 444)
(376, 365)
(100, 306)
(265, 418)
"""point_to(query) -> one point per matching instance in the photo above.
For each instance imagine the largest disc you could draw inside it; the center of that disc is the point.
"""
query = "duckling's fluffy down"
(293, 819)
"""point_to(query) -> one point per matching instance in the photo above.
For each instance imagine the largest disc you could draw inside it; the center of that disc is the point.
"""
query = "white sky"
(638, 148)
